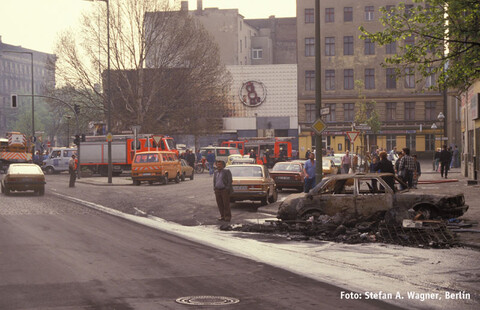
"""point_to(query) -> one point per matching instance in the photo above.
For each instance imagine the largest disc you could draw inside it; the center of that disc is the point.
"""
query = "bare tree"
(166, 73)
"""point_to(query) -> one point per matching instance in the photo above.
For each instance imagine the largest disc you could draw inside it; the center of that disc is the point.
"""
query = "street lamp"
(33, 92)
(109, 102)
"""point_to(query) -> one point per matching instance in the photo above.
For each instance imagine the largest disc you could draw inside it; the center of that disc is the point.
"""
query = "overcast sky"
(35, 24)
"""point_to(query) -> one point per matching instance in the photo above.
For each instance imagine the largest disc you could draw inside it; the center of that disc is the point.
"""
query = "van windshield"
(146, 158)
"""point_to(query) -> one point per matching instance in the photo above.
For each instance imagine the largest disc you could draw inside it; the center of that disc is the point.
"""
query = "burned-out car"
(363, 195)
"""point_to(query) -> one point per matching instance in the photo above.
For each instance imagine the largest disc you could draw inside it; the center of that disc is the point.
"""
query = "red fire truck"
(15, 148)
(278, 149)
(94, 151)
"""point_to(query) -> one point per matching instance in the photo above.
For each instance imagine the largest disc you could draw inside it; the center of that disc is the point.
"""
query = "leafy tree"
(447, 40)
(165, 67)
(366, 110)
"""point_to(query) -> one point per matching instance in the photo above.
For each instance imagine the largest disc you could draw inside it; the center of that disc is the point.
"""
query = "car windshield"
(25, 169)
(326, 164)
(287, 167)
(246, 171)
(336, 160)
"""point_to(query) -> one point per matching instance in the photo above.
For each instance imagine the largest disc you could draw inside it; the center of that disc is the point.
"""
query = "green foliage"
(366, 109)
(447, 40)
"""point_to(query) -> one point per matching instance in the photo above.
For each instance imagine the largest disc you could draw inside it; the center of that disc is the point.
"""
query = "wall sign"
(252, 93)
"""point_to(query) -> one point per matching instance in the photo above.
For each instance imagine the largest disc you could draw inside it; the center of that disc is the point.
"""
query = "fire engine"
(15, 148)
(279, 149)
(94, 151)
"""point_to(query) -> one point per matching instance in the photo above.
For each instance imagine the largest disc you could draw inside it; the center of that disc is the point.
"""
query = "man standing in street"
(407, 167)
(309, 170)
(222, 186)
(72, 169)
(445, 159)
(346, 162)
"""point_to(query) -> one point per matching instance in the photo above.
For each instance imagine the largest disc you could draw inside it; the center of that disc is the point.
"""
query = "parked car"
(155, 166)
(232, 157)
(220, 152)
(367, 195)
(289, 175)
(23, 177)
(252, 182)
(187, 171)
(329, 167)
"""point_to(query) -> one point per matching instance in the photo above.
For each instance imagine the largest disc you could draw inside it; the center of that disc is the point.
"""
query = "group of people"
(191, 158)
(403, 164)
(446, 158)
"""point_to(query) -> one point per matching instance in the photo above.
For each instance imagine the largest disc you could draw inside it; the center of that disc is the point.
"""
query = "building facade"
(351, 67)
(16, 78)
(470, 130)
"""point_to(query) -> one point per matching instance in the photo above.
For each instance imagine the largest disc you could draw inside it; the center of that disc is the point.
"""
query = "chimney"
(199, 6)
(184, 6)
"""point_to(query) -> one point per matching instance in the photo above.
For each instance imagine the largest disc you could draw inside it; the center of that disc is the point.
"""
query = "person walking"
(222, 186)
(385, 166)
(346, 162)
(211, 161)
(407, 167)
(418, 171)
(309, 170)
(72, 169)
(445, 159)
(436, 159)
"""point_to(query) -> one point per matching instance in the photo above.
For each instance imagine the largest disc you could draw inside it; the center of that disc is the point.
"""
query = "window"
(391, 141)
(348, 79)
(329, 15)
(430, 80)
(309, 16)
(369, 47)
(409, 41)
(391, 78)
(369, 12)
(330, 46)
(309, 47)
(391, 111)
(369, 78)
(347, 14)
(430, 111)
(409, 78)
(329, 79)
(257, 53)
(348, 109)
(348, 45)
(310, 113)
(409, 111)
(309, 80)
(330, 118)
(391, 48)
(411, 142)
(430, 142)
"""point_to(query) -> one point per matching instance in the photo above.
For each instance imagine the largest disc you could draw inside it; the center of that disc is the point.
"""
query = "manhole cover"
(207, 300)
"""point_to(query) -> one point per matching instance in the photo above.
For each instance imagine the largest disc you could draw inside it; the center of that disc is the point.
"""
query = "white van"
(221, 152)
(57, 160)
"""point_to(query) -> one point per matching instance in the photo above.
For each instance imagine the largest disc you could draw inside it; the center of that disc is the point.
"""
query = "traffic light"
(14, 101)
(76, 141)
(76, 107)
(83, 137)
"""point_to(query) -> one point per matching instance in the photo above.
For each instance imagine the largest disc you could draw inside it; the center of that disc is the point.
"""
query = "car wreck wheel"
(307, 215)
(274, 196)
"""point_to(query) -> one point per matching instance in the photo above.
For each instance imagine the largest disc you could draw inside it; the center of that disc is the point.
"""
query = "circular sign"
(109, 137)
(252, 93)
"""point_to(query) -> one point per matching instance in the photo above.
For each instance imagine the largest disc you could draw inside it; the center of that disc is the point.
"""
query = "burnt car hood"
(448, 205)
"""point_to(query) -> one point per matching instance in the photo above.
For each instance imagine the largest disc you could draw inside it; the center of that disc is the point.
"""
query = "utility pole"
(318, 94)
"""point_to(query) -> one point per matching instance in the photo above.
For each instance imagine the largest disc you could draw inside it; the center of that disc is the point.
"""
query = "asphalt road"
(57, 254)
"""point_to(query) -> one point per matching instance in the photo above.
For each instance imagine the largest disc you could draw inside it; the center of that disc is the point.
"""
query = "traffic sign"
(325, 111)
(352, 135)
(319, 126)
(157, 139)
(109, 137)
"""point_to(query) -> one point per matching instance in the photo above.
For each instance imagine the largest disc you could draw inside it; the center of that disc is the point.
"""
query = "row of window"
(348, 46)
(369, 13)
(390, 112)
(368, 79)
(10, 85)
(18, 68)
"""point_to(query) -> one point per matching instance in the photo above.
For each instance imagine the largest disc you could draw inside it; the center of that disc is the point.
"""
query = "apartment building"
(408, 112)
(16, 78)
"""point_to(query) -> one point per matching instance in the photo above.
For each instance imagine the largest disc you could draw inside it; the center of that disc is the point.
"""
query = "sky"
(36, 24)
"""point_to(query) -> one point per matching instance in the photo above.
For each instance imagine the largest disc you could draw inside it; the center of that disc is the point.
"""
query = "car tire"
(3, 189)
(274, 196)
(279, 188)
(264, 201)
(136, 182)
(177, 178)
(150, 182)
(191, 177)
(6, 191)
(50, 170)
(165, 180)
(183, 177)
(41, 191)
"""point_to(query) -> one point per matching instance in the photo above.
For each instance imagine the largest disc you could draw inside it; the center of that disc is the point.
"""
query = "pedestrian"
(253, 155)
(191, 158)
(392, 155)
(211, 162)
(418, 171)
(307, 154)
(309, 170)
(222, 186)
(386, 166)
(267, 158)
(436, 159)
(198, 155)
(455, 161)
(346, 162)
(407, 167)
(72, 169)
(445, 159)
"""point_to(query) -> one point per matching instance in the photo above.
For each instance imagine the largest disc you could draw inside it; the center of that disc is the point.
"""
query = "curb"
(103, 184)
